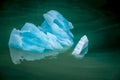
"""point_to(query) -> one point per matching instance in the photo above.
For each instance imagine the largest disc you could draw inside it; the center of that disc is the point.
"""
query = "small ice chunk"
(81, 48)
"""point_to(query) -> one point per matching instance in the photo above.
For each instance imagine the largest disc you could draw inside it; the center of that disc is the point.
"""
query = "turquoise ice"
(33, 42)
(53, 34)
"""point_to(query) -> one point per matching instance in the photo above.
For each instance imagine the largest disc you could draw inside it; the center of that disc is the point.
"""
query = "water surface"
(103, 31)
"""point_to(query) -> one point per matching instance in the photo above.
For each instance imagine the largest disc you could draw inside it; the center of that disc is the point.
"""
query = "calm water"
(102, 61)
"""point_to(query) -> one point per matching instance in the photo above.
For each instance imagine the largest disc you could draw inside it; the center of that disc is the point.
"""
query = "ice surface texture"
(53, 34)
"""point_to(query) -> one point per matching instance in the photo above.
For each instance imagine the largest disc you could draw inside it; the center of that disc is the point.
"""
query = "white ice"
(81, 48)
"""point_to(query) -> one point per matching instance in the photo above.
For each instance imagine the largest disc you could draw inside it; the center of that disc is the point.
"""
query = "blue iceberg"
(52, 35)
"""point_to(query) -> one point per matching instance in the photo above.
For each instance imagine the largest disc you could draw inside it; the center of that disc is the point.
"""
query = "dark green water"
(102, 61)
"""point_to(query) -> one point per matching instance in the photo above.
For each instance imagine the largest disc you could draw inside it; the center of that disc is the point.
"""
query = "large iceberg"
(33, 42)
(52, 35)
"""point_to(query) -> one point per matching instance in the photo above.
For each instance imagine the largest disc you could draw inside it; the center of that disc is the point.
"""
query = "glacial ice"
(81, 48)
(53, 35)
(49, 39)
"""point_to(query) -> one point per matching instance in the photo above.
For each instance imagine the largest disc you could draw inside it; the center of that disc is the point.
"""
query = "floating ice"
(53, 35)
(81, 48)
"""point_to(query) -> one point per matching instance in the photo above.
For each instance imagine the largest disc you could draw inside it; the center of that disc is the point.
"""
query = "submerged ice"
(33, 42)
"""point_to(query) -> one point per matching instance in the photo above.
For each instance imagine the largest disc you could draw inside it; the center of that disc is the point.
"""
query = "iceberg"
(54, 33)
(52, 36)
(81, 48)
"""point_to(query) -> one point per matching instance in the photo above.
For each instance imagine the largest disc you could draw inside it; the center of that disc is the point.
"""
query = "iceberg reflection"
(19, 55)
